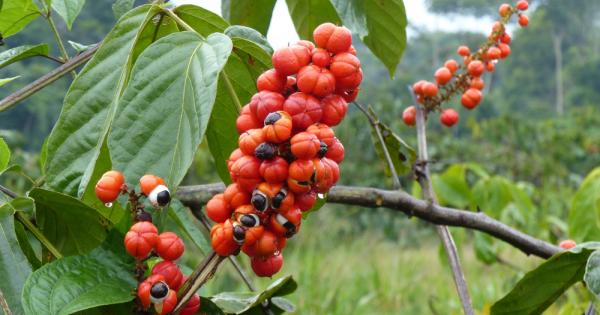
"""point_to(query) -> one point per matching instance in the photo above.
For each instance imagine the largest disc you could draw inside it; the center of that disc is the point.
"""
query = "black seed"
(278, 199)
(265, 151)
(163, 198)
(272, 118)
(260, 202)
(159, 290)
(322, 149)
(239, 233)
(248, 220)
(291, 229)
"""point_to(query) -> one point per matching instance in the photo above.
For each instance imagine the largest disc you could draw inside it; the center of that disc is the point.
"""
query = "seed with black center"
(322, 149)
(291, 229)
(249, 220)
(159, 291)
(259, 201)
(265, 151)
(272, 118)
(239, 234)
(278, 199)
(163, 198)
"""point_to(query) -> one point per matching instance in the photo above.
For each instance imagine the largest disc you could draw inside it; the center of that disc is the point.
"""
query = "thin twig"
(590, 309)
(46, 79)
(4, 305)
(203, 273)
(53, 59)
(422, 173)
(374, 121)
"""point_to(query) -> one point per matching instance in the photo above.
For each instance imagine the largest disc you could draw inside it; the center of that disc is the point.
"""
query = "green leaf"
(181, 216)
(165, 109)
(492, 195)
(584, 215)
(14, 267)
(120, 7)
(26, 247)
(402, 155)
(77, 283)
(16, 14)
(253, 13)
(381, 25)
(452, 188)
(592, 273)
(484, 248)
(307, 15)
(540, 287)
(69, 224)
(208, 307)
(238, 303)
(79, 48)
(88, 111)
(6, 80)
(251, 35)
(22, 52)
(4, 154)
(68, 10)
(201, 20)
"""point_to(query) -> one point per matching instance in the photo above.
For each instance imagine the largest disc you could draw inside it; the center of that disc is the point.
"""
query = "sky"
(281, 32)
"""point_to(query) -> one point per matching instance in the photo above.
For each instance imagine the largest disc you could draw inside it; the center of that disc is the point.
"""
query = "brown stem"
(203, 273)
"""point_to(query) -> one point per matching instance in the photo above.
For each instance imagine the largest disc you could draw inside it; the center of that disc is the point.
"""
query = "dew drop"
(109, 204)
(321, 196)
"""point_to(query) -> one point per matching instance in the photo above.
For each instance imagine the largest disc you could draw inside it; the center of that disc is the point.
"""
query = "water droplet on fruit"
(109, 204)
(321, 196)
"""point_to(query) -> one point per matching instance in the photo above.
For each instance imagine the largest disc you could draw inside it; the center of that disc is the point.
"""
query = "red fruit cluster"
(143, 238)
(287, 152)
(467, 79)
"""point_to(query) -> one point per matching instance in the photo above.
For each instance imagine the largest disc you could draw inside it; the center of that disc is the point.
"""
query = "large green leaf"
(484, 248)
(402, 155)
(75, 142)
(121, 7)
(182, 217)
(380, 24)
(251, 35)
(22, 52)
(78, 283)
(451, 187)
(492, 195)
(72, 226)
(68, 9)
(584, 215)
(4, 154)
(592, 273)
(540, 287)
(14, 267)
(253, 13)
(16, 14)
(308, 14)
(165, 109)
(238, 303)
(201, 20)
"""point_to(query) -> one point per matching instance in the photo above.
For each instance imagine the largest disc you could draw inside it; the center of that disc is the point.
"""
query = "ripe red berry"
(192, 306)
(305, 201)
(305, 145)
(321, 57)
(249, 140)
(315, 80)
(567, 244)
(346, 69)
(336, 39)
(443, 75)
(172, 274)
(477, 83)
(266, 267)
(336, 151)
(494, 53)
(141, 238)
(522, 5)
(245, 172)
(217, 209)
(323, 179)
(274, 171)
(334, 169)
(109, 186)
(143, 291)
(285, 224)
(505, 38)
(323, 132)
(449, 117)
(504, 9)
(168, 304)
(463, 51)
(334, 108)
(289, 60)
(504, 50)
(471, 98)
(452, 65)
(271, 80)
(409, 116)
(169, 246)
(523, 20)
(235, 196)
(222, 241)
(154, 188)
(265, 102)
(476, 68)
(277, 127)
(304, 108)
(233, 157)
(247, 120)
(490, 66)
(268, 244)
(307, 44)
(429, 89)
(300, 174)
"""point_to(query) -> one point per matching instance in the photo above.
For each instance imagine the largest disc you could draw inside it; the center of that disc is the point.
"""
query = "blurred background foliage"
(520, 157)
